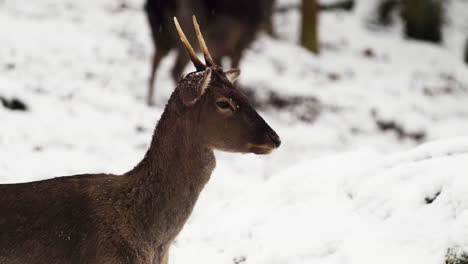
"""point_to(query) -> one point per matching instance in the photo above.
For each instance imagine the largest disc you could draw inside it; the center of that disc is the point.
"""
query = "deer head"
(225, 118)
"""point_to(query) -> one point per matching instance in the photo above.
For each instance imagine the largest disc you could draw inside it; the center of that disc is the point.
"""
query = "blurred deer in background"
(231, 26)
(134, 217)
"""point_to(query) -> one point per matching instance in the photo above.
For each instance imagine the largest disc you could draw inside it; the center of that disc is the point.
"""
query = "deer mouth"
(261, 149)
(273, 142)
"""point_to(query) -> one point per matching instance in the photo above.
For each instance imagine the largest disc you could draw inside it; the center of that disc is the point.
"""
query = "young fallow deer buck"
(134, 217)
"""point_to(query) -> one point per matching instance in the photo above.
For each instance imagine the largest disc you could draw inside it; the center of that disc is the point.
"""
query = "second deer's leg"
(179, 65)
(158, 56)
(235, 59)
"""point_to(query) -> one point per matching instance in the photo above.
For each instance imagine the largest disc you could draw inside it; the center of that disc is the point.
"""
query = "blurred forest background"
(345, 83)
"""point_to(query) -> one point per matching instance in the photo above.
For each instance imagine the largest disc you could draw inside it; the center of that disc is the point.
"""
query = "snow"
(356, 207)
(338, 190)
(353, 207)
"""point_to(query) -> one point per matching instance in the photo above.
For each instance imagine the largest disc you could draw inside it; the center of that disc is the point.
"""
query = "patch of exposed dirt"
(400, 131)
(13, 104)
(306, 109)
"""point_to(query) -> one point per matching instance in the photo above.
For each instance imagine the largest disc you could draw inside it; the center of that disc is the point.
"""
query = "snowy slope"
(339, 190)
(355, 207)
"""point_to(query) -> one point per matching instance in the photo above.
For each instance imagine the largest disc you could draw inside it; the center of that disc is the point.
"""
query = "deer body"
(134, 217)
(88, 218)
(231, 26)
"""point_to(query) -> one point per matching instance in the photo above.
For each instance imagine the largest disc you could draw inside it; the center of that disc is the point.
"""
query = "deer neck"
(176, 152)
(165, 185)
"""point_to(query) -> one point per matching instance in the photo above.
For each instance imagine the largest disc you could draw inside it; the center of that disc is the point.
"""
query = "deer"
(231, 27)
(134, 217)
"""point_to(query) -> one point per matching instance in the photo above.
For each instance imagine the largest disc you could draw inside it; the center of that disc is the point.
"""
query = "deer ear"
(190, 96)
(232, 75)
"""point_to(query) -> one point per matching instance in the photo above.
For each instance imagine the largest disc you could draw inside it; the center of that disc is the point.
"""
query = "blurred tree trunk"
(423, 19)
(309, 31)
(466, 51)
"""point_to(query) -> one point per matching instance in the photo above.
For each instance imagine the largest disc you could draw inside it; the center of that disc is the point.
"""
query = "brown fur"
(134, 217)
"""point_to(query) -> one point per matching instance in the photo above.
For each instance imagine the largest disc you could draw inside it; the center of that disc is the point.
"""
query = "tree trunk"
(466, 51)
(423, 19)
(309, 33)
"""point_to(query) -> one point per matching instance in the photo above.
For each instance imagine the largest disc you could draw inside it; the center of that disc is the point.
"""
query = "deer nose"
(275, 139)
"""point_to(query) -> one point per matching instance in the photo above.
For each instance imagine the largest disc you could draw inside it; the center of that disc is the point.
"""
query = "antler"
(193, 56)
(209, 61)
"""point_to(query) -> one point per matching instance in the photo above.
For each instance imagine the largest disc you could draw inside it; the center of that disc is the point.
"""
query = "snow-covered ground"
(339, 190)
(353, 207)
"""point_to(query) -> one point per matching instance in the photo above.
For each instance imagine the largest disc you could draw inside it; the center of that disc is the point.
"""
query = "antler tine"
(208, 60)
(193, 56)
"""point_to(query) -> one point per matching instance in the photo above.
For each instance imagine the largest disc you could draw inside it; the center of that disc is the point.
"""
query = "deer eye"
(223, 105)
